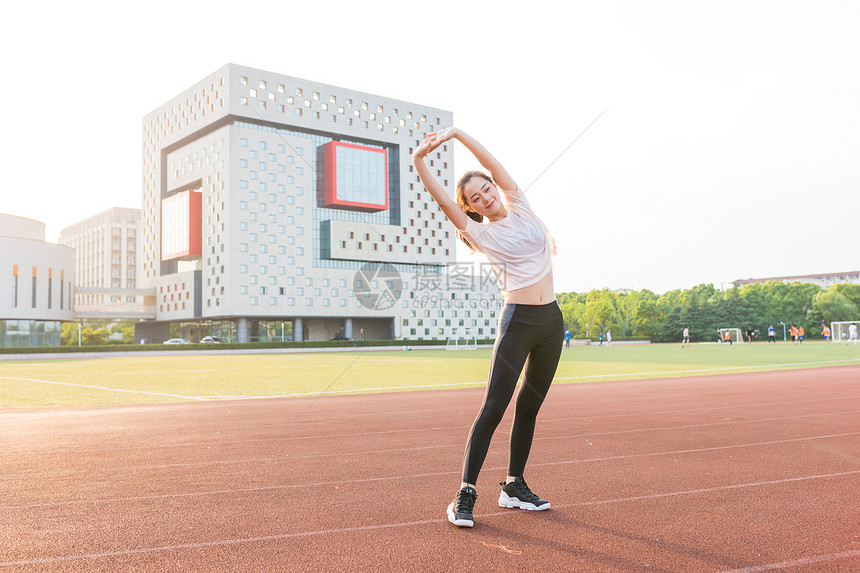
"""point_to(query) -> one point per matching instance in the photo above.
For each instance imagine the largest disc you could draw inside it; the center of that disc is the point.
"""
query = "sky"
(727, 144)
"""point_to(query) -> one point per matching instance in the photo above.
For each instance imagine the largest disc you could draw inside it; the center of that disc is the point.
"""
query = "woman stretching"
(531, 329)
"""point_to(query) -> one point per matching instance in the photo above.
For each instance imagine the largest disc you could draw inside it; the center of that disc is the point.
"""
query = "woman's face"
(483, 198)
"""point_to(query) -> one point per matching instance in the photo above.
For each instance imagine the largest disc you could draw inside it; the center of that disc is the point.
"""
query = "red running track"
(752, 472)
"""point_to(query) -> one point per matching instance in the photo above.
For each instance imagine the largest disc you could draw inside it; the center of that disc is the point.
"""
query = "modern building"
(276, 207)
(105, 248)
(822, 280)
(37, 285)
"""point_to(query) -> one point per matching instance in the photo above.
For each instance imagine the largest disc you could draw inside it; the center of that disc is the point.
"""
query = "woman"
(492, 216)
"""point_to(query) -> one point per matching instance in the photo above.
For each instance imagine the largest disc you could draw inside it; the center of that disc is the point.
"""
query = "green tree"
(573, 312)
(69, 334)
(625, 311)
(849, 291)
(831, 306)
(94, 336)
(126, 329)
(599, 311)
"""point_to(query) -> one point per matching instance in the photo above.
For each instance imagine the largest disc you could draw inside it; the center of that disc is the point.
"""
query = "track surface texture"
(746, 472)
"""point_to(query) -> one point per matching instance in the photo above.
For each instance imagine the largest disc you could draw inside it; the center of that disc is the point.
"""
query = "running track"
(744, 472)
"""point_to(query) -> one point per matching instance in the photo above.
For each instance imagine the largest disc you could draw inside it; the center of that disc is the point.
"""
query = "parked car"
(177, 341)
(211, 340)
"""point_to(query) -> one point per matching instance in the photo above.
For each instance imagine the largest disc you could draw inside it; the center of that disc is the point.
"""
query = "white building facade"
(105, 248)
(276, 207)
(37, 286)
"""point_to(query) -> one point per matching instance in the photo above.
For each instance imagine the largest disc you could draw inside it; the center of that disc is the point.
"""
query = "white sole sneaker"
(458, 522)
(512, 502)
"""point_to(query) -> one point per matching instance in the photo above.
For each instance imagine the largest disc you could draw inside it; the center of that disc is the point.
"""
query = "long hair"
(464, 203)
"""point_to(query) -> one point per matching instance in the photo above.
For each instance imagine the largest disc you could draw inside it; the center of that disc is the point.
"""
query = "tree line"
(704, 309)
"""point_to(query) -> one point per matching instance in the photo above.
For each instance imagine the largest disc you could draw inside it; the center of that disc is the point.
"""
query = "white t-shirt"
(852, 331)
(519, 246)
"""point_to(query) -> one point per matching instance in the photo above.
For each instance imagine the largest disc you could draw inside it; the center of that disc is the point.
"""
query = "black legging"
(530, 336)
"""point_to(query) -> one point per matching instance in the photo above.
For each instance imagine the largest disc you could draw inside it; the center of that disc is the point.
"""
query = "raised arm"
(502, 178)
(453, 211)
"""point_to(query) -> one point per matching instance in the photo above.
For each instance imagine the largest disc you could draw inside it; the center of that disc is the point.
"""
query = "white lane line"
(101, 388)
(452, 445)
(798, 562)
(450, 428)
(701, 370)
(342, 530)
(377, 479)
(695, 451)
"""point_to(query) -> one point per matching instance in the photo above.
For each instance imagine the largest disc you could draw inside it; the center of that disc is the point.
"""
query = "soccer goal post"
(839, 331)
(734, 335)
(462, 340)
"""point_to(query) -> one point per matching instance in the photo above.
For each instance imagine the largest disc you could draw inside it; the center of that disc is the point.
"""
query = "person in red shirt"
(800, 335)
(826, 333)
(793, 333)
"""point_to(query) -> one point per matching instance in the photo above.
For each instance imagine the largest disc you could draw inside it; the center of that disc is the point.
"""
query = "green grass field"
(148, 379)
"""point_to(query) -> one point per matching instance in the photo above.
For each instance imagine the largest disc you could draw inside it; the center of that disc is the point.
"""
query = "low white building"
(823, 280)
(37, 284)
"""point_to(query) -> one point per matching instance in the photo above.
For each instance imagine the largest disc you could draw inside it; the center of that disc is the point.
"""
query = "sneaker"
(460, 510)
(518, 494)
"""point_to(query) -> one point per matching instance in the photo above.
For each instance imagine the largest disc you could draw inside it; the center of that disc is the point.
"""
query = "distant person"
(800, 335)
(567, 338)
(728, 337)
(609, 338)
(600, 338)
(852, 334)
(719, 336)
(826, 333)
(793, 334)
(771, 334)
(749, 334)
(686, 340)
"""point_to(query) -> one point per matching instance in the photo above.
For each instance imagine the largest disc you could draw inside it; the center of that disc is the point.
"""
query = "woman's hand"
(432, 141)
(445, 134)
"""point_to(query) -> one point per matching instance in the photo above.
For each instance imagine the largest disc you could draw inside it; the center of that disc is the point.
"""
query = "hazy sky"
(730, 148)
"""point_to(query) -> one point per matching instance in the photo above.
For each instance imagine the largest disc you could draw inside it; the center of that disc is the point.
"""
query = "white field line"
(105, 388)
(589, 377)
(427, 386)
(343, 530)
